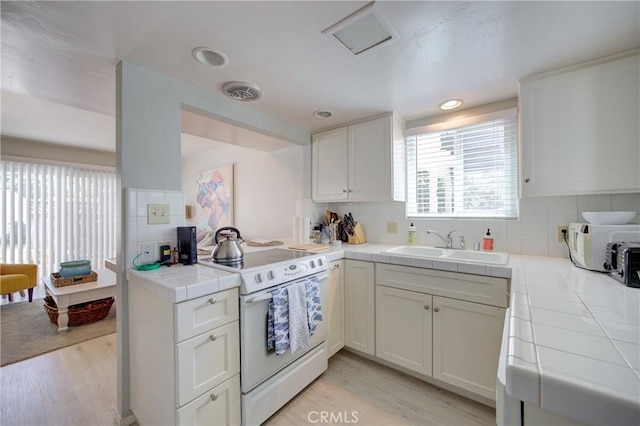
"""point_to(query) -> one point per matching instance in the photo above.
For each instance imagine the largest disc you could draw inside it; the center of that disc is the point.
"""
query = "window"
(465, 168)
(51, 214)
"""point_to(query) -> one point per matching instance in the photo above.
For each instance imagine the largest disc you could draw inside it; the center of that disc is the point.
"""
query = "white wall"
(533, 234)
(266, 186)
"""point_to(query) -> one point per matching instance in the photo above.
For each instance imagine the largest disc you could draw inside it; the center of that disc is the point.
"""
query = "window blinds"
(52, 214)
(468, 171)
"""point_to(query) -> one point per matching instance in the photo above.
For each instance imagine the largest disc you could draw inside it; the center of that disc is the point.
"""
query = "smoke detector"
(242, 91)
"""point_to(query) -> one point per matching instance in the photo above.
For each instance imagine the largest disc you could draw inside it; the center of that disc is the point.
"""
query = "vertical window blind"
(468, 171)
(52, 214)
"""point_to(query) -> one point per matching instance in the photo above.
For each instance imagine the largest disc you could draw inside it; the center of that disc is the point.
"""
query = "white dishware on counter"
(609, 218)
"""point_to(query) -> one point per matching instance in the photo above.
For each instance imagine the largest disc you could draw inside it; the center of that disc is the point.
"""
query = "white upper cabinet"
(580, 129)
(329, 165)
(359, 162)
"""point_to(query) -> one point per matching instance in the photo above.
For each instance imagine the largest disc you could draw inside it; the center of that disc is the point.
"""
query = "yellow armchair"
(14, 277)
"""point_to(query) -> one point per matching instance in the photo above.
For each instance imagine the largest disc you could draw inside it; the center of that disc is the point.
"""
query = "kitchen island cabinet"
(184, 354)
(356, 162)
(579, 129)
(359, 306)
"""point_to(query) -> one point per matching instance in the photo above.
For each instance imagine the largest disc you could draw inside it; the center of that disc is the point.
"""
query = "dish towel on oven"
(281, 334)
(278, 322)
(298, 321)
(314, 304)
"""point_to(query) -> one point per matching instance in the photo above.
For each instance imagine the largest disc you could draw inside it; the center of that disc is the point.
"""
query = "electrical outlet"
(560, 236)
(392, 227)
(157, 214)
(148, 251)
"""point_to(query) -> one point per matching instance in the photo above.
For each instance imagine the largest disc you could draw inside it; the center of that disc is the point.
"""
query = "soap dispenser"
(487, 241)
(412, 233)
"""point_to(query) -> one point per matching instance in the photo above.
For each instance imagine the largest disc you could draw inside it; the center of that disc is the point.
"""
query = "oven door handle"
(258, 299)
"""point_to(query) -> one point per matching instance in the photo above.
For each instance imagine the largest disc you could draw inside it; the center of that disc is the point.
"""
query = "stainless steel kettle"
(228, 250)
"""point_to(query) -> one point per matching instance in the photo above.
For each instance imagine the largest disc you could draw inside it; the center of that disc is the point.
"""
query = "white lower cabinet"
(403, 328)
(453, 340)
(220, 406)
(207, 360)
(184, 358)
(335, 307)
(359, 306)
(466, 344)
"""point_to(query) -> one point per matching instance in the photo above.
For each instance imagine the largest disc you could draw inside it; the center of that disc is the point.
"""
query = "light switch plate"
(157, 214)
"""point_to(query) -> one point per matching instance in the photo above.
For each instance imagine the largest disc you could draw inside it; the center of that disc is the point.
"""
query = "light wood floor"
(77, 386)
(357, 391)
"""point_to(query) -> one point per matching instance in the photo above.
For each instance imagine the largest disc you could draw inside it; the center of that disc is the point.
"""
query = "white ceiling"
(58, 58)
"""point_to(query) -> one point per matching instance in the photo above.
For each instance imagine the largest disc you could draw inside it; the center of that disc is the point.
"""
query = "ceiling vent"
(362, 31)
(242, 91)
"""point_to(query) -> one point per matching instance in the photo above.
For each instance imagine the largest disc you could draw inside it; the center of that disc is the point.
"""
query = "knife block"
(358, 236)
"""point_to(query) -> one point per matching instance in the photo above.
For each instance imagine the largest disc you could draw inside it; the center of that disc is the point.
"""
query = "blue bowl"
(75, 268)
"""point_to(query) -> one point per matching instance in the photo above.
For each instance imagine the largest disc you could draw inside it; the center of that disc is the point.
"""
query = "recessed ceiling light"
(208, 56)
(322, 114)
(450, 104)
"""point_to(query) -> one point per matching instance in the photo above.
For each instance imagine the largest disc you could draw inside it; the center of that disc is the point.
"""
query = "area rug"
(25, 331)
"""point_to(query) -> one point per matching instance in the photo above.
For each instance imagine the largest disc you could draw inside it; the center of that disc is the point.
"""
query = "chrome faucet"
(448, 241)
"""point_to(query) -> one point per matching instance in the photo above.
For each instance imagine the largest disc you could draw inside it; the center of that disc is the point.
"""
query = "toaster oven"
(588, 242)
(623, 262)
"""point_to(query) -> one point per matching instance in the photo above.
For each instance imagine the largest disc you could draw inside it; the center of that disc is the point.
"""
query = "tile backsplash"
(137, 230)
(534, 233)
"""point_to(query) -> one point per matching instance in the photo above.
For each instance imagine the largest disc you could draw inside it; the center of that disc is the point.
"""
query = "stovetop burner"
(268, 268)
(264, 258)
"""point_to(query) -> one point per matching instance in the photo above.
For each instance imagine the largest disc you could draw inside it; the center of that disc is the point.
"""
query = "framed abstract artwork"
(214, 202)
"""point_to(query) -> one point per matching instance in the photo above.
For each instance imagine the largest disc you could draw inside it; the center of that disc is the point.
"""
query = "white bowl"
(609, 218)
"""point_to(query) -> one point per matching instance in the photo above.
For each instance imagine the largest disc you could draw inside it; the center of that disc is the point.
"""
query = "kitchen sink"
(478, 256)
(418, 251)
(493, 258)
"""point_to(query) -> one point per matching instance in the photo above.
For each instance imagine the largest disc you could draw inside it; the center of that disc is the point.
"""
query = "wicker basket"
(82, 313)
(58, 281)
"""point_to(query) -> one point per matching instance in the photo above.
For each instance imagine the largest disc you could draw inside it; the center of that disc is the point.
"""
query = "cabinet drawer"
(205, 313)
(207, 360)
(472, 288)
(220, 406)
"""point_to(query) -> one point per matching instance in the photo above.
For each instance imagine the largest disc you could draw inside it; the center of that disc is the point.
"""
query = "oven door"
(257, 363)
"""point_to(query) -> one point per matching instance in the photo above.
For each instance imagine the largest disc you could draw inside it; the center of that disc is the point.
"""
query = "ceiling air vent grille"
(242, 91)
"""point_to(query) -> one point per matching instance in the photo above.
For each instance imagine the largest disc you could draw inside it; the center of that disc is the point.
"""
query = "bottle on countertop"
(412, 233)
(487, 241)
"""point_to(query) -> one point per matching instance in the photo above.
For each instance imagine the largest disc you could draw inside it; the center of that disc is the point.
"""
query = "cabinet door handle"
(214, 396)
(213, 337)
(336, 267)
(426, 307)
(527, 180)
(436, 309)
(213, 301)
(344, 191)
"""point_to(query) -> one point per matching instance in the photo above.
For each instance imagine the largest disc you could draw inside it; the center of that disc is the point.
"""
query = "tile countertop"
(179, 283)
(574, 341)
